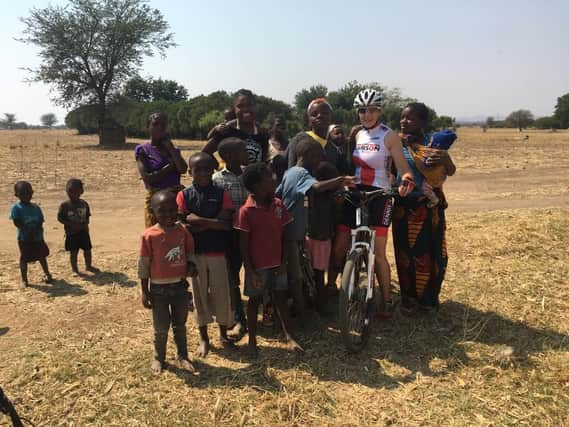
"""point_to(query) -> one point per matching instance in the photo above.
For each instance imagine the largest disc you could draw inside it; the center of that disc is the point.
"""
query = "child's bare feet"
(48, 279)
(93, 270)
(252, 350)
(75, 273)
(156, 367)
(203, 349)
(238, 331)
(294, 346)
(186, 365)
(24, 284)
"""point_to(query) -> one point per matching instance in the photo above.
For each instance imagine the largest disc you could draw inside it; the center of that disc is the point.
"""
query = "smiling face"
(369, 117)
(245, 109)
(201, 169)
(165, 208)
(410, 123)
(319, 118)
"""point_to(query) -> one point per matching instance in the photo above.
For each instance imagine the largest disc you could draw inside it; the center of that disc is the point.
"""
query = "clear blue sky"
(463, 59)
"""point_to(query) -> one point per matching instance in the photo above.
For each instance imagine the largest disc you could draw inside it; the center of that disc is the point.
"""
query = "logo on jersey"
(368, 147)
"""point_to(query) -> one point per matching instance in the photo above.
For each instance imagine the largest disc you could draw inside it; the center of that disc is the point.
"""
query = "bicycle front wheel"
(354, 307)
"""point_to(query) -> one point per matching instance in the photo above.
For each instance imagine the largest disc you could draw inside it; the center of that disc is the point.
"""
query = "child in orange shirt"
(165, 253)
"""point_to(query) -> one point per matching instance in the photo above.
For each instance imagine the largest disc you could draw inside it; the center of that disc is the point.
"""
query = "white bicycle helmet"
(368, 98)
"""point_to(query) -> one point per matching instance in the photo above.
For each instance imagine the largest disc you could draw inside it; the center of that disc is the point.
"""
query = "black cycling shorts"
(380, 210)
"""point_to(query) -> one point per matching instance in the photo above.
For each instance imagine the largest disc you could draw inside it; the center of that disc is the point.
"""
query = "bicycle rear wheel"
(354, 308)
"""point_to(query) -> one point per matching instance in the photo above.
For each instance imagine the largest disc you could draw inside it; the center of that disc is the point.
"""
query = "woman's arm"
(393, 144)
(156, 176)
(179, 162)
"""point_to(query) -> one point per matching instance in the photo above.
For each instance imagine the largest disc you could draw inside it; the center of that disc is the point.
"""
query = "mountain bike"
(356, 300)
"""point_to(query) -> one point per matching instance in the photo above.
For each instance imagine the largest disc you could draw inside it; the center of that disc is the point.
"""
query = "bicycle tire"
(355, 312)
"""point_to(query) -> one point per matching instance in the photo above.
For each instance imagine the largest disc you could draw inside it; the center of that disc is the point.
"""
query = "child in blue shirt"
(295, 186)
(28, 218)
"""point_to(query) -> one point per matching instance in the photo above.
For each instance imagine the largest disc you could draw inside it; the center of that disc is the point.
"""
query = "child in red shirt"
(261, 222)
(165, 253)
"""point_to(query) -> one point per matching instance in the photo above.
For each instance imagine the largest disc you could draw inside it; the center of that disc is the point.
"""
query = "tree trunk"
(111, 134)
(101, 107)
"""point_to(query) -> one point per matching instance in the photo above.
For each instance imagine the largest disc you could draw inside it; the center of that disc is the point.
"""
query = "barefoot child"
(28, 218)
(165, 253)
(207, 209)
(261, 223)
(232, 152)
(74, 214)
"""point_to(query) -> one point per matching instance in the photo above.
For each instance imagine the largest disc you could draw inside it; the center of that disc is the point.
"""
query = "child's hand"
(348, 181)
(146, 300)
(192, 269)
(427, 190)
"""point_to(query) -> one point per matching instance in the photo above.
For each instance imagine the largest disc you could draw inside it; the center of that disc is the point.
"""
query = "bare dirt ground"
(77, 352)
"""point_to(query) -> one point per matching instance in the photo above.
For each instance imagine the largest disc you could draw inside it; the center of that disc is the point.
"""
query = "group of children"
(28, 217)
(229, 220)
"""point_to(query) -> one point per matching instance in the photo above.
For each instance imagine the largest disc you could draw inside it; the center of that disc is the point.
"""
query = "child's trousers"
(170, 305)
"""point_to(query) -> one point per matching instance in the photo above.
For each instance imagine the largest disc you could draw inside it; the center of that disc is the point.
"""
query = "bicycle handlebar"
(361, 198)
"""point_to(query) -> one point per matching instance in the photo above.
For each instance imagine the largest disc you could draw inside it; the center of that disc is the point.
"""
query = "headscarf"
(318, 101)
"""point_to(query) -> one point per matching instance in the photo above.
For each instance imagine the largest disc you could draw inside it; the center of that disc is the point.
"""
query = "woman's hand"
(407, 184)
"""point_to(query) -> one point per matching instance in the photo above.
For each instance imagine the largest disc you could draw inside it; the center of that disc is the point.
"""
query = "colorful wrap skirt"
(420, 249)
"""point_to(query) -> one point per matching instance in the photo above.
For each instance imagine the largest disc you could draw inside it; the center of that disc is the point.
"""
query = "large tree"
(89, 48)
(520, 119)
(562, 111)
(48, 119)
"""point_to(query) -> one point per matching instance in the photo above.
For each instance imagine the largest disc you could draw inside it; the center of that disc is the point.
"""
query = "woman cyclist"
(374, 147)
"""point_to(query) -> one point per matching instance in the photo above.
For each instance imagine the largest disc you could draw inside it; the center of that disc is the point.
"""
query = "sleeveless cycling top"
(371, 157)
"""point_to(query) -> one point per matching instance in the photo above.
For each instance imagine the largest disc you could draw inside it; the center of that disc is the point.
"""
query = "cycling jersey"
(372, 158)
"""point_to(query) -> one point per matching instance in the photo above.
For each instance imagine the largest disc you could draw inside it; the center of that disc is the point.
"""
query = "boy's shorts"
(32, 250)
(319, 252)
(76, 241)
(270, 282)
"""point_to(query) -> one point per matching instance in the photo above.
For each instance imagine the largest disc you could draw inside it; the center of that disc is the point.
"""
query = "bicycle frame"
(368, 244)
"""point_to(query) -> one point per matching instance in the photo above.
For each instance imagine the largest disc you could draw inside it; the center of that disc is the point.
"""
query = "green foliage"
(490, 122)
(444, 122)
(8, 122)
(148, 90)
(48, 119)
(562, 111)
(194, 118)
(520, 119)
(209, 120)
(89, 48)
(548, 122)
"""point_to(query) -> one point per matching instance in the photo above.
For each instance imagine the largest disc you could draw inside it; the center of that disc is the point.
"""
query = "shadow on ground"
(410, 345)
(60, 288)
(109, 278)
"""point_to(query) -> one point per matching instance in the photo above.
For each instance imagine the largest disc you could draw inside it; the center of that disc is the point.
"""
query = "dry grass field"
(78, 352)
